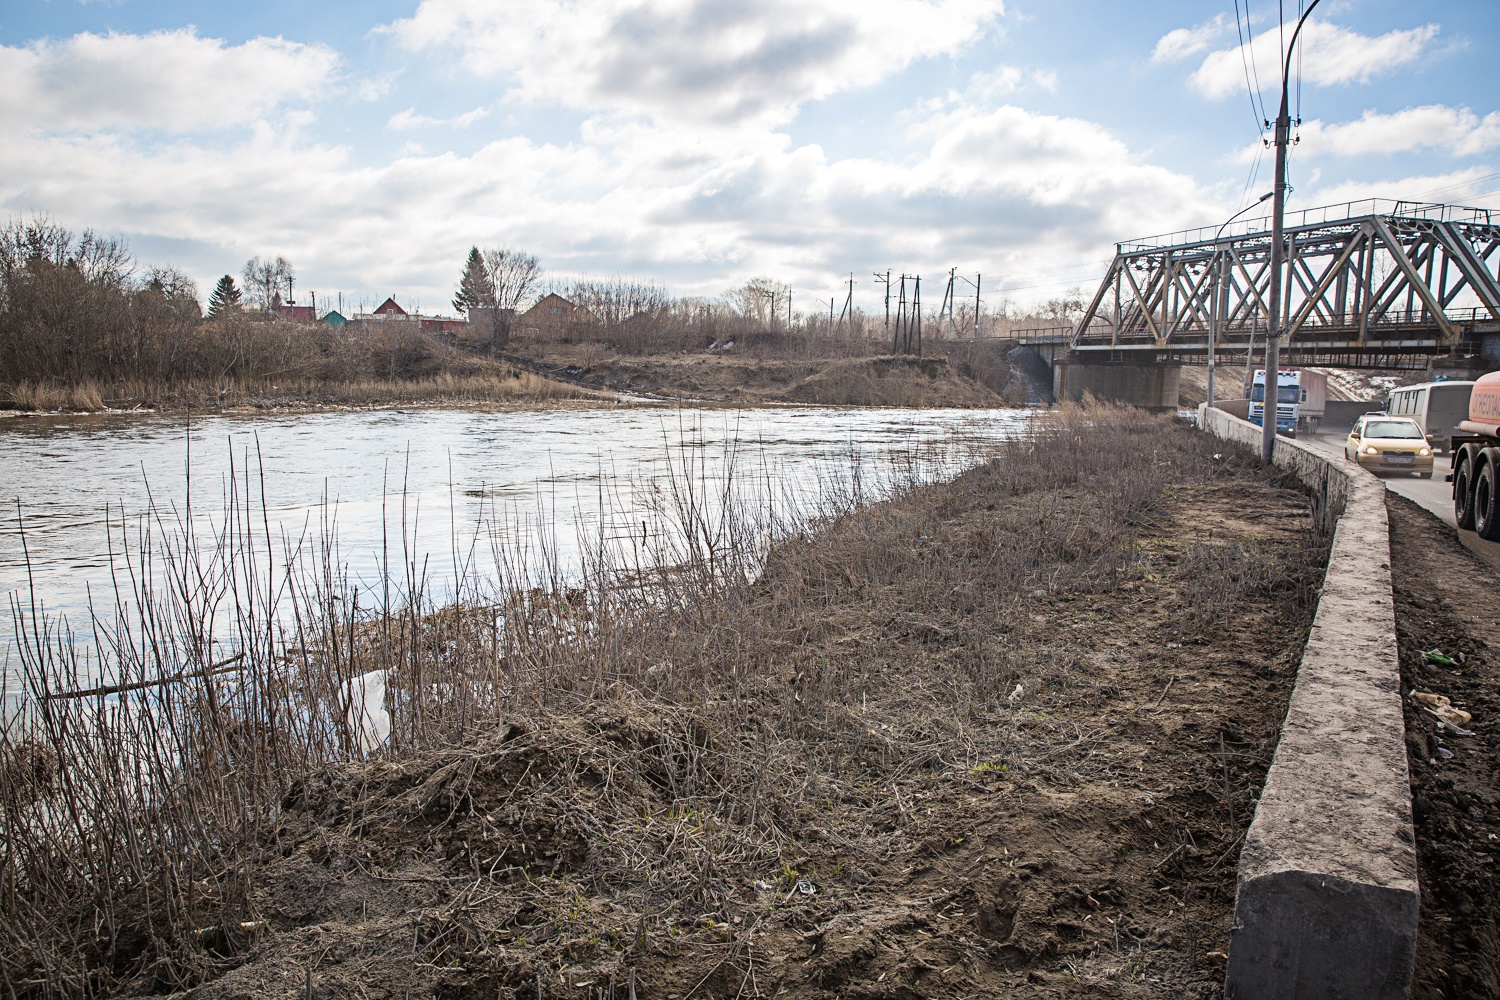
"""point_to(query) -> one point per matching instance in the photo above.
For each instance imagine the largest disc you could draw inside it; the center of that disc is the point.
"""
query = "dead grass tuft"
(628, 774)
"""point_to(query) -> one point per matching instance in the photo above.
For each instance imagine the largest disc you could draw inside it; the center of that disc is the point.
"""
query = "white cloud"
(707, 61)
(1183, 42)
(997, 188)
(1004, 81)
(1329, 55)
(169, 80)
(1452, 131)
(1456, 131)
(409, 119)
(1472, 185)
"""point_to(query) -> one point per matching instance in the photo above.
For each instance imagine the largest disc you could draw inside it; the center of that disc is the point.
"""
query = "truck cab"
(1288, 400)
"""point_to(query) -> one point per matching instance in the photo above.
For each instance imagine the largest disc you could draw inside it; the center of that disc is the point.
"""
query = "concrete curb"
(1327, 899)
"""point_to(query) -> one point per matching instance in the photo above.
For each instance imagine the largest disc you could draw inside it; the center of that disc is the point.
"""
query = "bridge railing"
(1102, 329)
(1321, 216)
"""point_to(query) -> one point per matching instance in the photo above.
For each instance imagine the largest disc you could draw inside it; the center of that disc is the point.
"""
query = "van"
(1437, 407)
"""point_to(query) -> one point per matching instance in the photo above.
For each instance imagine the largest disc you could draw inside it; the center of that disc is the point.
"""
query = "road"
(1434, 494)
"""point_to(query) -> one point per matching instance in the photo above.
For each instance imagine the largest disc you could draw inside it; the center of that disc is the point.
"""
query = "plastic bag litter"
(1439, 707)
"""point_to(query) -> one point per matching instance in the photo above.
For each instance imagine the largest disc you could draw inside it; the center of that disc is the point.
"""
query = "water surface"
(453, 478)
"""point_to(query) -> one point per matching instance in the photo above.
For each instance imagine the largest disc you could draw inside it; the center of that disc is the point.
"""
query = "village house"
(552, 315)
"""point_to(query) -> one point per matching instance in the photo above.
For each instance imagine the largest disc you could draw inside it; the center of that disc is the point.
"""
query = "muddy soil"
(1040, 796)
(1446, 602)
(740, 381)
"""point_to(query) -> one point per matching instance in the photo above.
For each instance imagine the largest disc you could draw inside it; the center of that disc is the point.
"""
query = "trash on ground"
(1440, 708)
(1444, 753)
(1434, 656)
(806, 887)
(1452, 730)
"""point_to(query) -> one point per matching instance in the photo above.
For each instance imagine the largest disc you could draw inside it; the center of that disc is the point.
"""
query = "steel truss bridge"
(1366, 284)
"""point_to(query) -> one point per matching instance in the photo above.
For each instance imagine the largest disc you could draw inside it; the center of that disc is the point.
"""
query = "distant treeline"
(75, 309)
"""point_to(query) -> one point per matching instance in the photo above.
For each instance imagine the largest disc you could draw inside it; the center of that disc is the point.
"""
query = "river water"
(451, 477)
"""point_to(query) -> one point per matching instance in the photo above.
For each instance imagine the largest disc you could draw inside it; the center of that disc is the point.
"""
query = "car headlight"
(1370, 449)
(1425, 453)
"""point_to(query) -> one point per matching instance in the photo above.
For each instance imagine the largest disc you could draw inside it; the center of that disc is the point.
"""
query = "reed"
(138, 821)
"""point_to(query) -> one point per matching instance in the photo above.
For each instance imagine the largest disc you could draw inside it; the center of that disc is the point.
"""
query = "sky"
(699, 143)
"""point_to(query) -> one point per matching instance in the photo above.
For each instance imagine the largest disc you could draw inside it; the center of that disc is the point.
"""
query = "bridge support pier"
(1152, 386)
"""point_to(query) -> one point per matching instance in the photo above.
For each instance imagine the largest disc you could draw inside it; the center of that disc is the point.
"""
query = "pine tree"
(225, 299)
(476, 289)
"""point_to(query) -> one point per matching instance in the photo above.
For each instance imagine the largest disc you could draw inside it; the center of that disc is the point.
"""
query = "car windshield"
(1392, 429)
(1284, 394)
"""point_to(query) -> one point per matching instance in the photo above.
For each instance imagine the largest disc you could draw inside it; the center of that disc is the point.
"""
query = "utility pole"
(849, 307)
(916, 308)
(977, 279)
(1220, 300)
(886, 279)
(903, 333)
(1282, 138)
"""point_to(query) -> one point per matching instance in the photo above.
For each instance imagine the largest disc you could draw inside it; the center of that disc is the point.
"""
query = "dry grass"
(622, 759)
(502, 386)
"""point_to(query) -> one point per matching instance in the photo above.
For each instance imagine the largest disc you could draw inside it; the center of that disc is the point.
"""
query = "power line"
(1248, 62)
(1260, 154)
(1303, 48)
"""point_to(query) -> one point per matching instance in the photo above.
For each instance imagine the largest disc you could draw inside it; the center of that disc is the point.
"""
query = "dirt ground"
(740, 380)
(1007, 741)
(1446, 603)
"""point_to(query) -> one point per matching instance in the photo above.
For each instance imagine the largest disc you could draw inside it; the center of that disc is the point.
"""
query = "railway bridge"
(1366, 284)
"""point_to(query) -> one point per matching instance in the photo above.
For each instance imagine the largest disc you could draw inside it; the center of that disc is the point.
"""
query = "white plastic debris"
(368, 718)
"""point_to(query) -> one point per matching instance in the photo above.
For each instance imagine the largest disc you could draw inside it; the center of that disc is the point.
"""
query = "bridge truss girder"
(1366, 282)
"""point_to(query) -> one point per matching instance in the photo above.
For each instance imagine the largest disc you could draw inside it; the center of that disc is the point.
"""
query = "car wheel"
(1425, 475)
(1487, 504)
(1463, 496)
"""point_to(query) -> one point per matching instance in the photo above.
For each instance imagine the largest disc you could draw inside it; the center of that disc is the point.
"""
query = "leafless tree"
(613, 302)
(264, 280)
(1066, 308)
(761, 299)
(514, 272)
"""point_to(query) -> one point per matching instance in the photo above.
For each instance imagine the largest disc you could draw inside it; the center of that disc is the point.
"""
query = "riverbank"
(930, 383)
(496, 385)
(954, 374)
(997, 734)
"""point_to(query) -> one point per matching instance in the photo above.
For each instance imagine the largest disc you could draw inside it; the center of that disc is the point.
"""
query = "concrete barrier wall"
(1327, 898)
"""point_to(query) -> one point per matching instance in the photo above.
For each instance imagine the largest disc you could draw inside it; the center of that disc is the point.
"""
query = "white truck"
(1288, 400)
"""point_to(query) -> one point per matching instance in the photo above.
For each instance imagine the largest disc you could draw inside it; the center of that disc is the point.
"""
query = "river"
(462, 476)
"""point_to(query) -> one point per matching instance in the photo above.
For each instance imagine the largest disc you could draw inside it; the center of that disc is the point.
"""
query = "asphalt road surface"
(1434, 494)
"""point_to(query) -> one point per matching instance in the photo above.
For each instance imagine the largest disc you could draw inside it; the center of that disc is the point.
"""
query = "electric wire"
(1300, 49)
(1254, 175)
(1247, 57)
(1463, 186)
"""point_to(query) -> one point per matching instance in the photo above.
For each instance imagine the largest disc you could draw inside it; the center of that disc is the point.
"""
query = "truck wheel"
(1487, 504)
(1463, 496)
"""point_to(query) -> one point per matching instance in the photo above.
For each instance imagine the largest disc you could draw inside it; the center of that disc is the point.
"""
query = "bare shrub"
(662, 727)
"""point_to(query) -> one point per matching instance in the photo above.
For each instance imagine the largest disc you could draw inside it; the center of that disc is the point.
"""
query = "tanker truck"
(1476, 462)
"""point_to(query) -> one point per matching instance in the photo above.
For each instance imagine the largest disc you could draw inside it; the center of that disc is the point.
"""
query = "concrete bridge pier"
(1152, 386)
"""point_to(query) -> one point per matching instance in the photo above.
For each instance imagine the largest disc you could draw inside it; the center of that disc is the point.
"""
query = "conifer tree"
(225, 298)
(476, 289)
